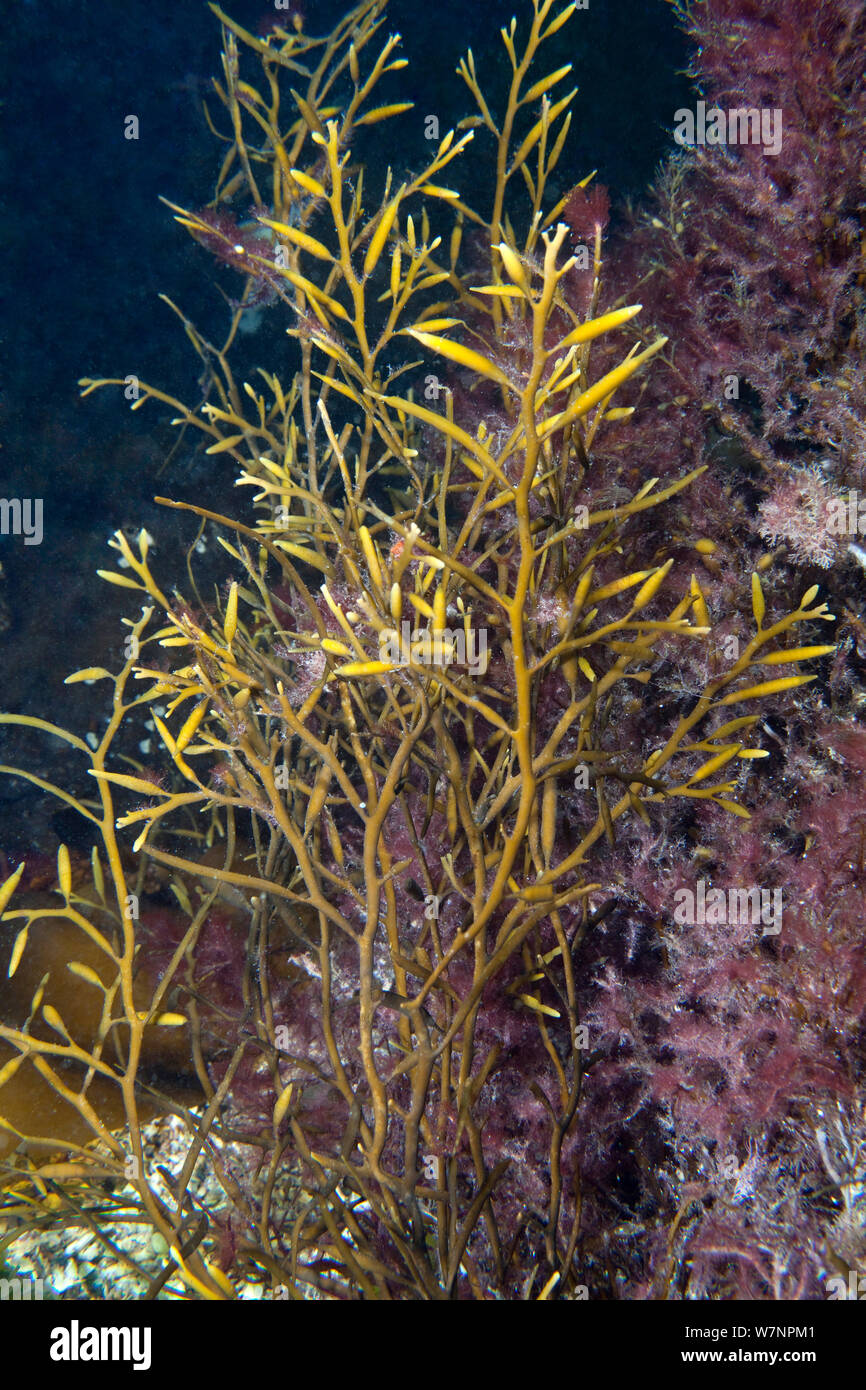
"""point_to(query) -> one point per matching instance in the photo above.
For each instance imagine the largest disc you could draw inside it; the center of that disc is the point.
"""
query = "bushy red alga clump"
(728, 1057)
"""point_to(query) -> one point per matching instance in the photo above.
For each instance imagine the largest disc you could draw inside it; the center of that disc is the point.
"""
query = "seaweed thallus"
(393, 742)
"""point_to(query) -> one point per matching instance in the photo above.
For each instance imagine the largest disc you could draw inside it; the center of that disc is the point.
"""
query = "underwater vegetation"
(498, 877)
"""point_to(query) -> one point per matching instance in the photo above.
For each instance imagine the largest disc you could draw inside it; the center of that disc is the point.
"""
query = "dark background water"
(88, 247)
